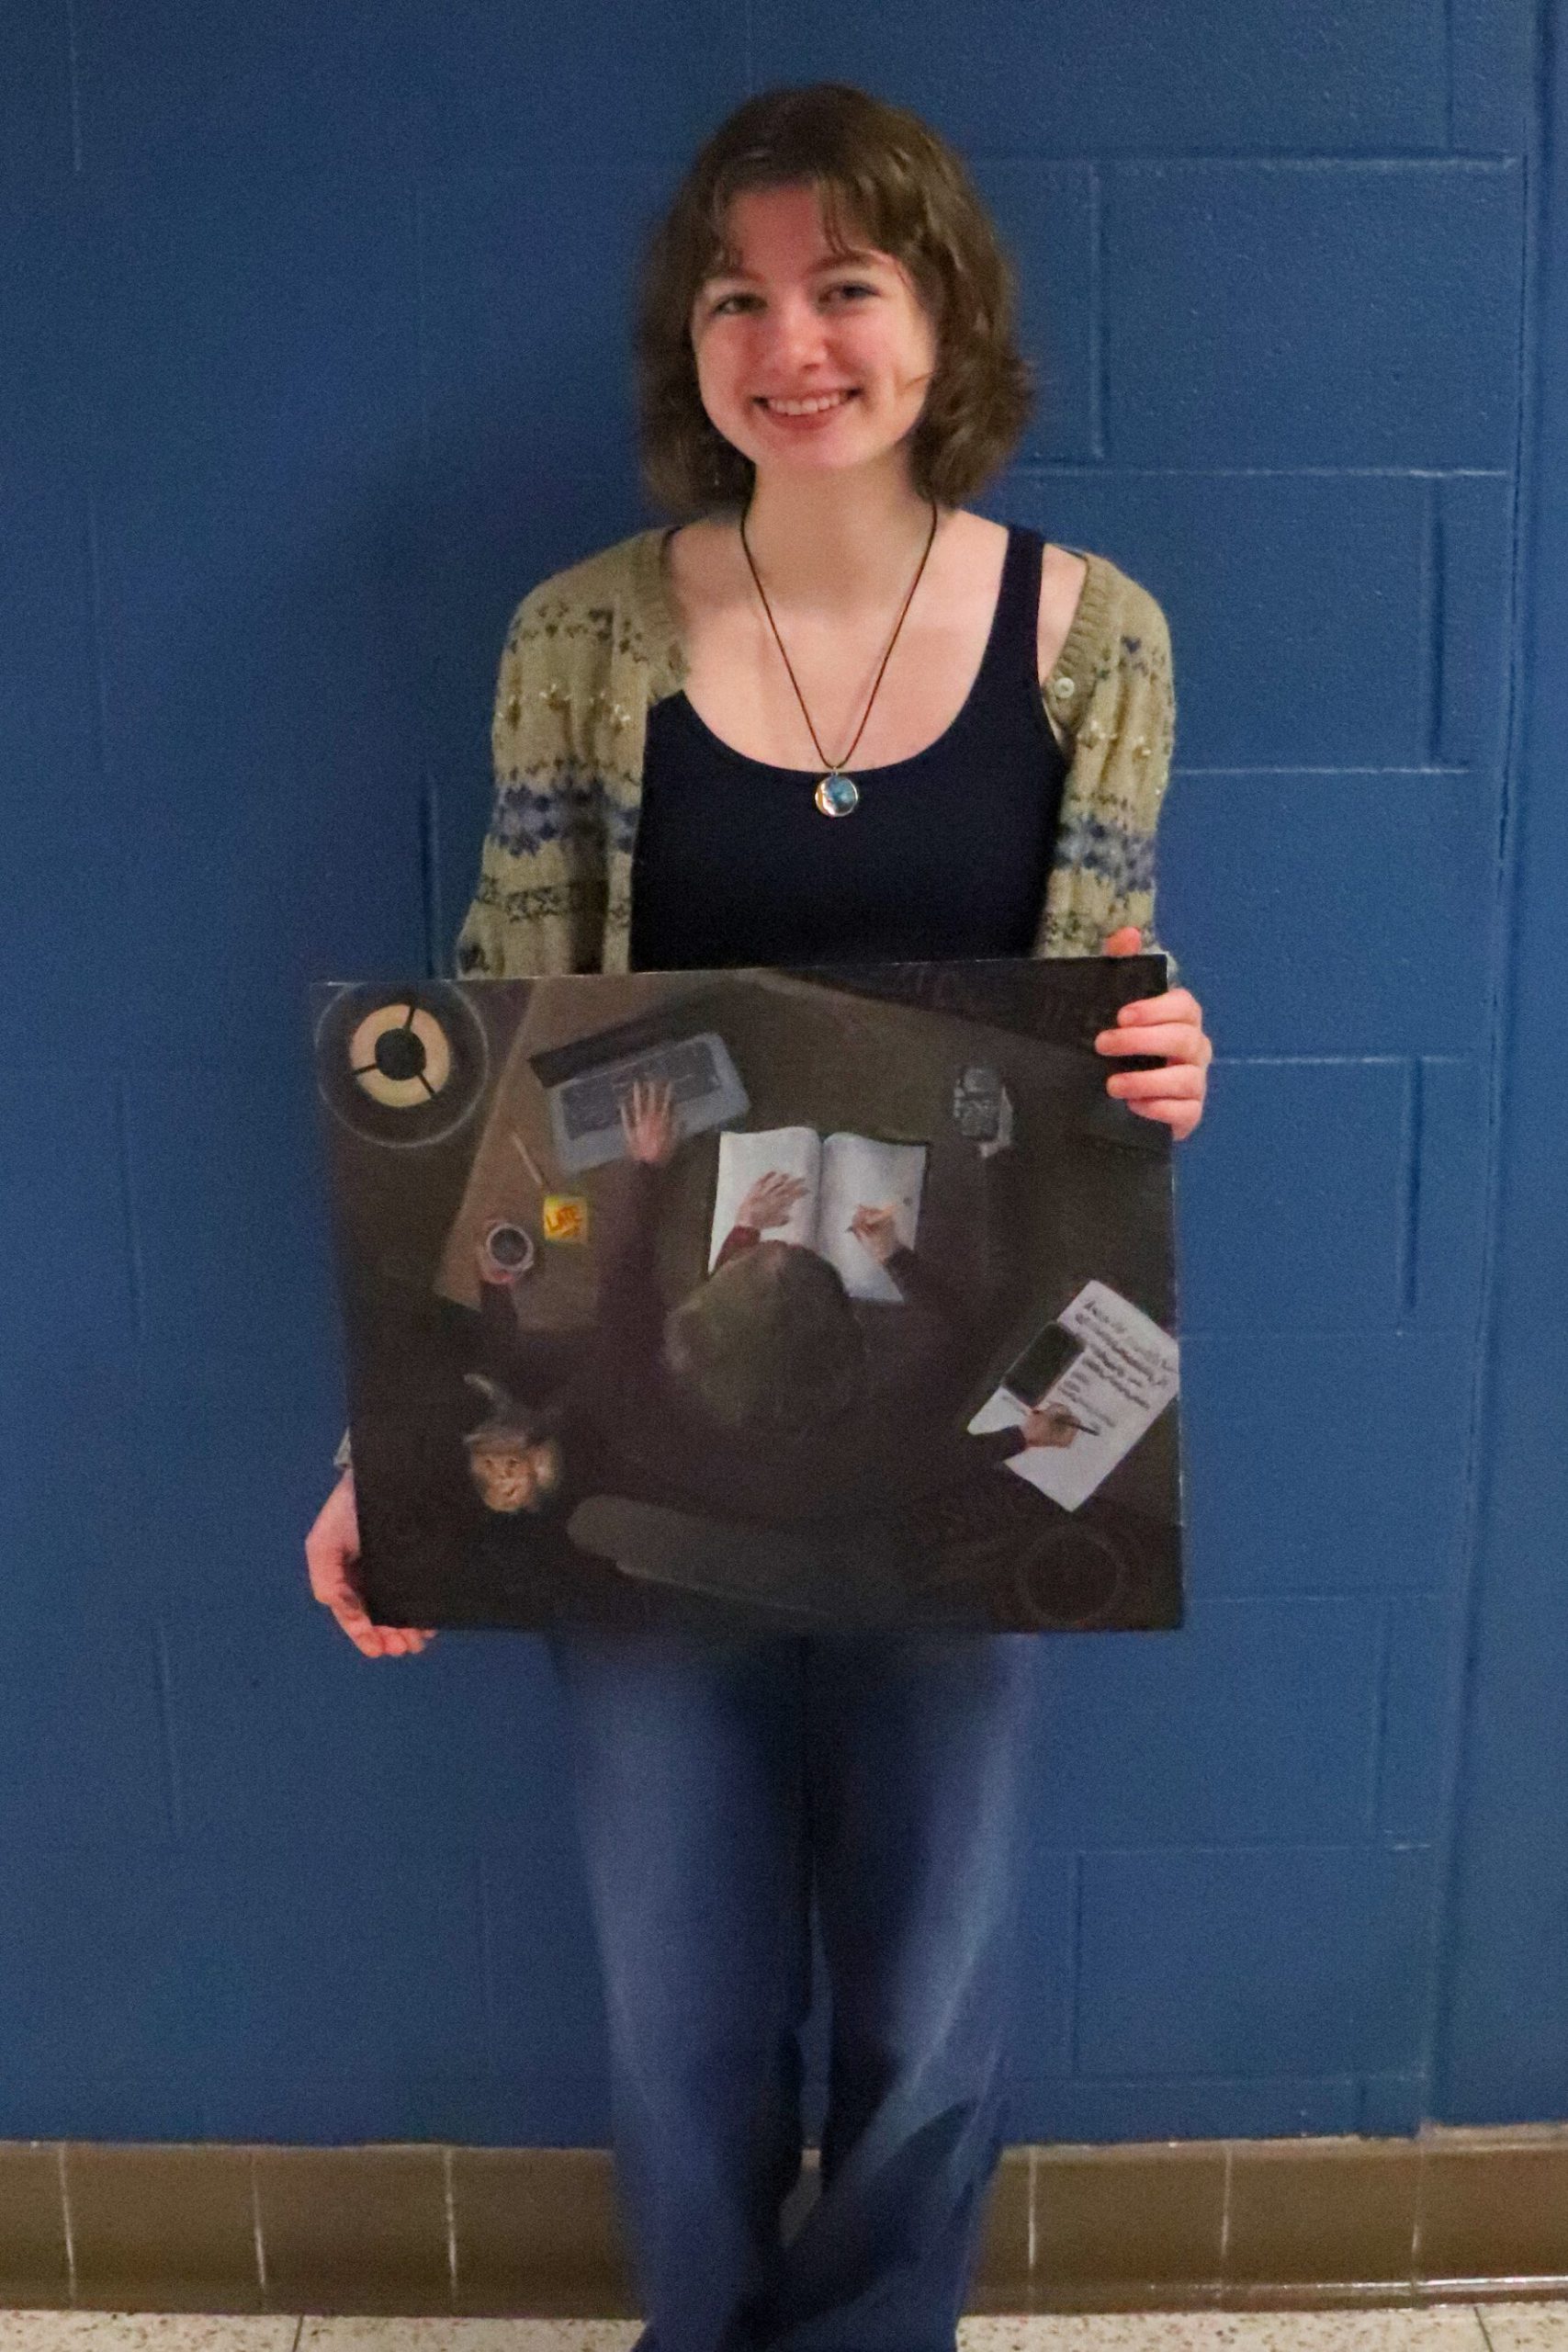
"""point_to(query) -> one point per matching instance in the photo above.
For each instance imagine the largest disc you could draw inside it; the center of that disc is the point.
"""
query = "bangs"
(847, 237)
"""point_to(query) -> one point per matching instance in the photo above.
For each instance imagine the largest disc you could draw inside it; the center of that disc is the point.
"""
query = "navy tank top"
(946, 854)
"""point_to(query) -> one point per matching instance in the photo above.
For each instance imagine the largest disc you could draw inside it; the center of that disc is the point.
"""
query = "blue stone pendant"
(837, 795)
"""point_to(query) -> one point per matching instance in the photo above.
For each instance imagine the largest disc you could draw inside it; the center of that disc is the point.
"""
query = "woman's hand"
(648, 1121)
(1171, 1026)
(769, 1201)
(332, 1554)
(876, 1231)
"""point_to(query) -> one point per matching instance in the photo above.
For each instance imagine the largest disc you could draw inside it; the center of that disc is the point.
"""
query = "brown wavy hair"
(881, 175)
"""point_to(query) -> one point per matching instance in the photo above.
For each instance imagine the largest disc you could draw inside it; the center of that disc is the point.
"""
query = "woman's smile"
(813, 409)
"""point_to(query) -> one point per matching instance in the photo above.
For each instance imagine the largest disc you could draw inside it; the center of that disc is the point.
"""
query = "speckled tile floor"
(1445, 2327)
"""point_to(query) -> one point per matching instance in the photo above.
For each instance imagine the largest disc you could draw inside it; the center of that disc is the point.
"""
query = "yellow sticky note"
(565, 1217)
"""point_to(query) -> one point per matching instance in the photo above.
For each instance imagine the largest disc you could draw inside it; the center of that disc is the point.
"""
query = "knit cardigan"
(591, 649)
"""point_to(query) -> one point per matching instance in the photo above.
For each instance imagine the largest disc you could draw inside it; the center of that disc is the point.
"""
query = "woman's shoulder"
(606, 609)
(1119, 627)
(1112, 599)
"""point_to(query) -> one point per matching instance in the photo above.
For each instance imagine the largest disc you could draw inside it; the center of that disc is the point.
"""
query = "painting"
(819, 1299)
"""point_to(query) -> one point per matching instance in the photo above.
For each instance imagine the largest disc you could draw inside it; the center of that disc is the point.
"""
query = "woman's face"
(795, 325)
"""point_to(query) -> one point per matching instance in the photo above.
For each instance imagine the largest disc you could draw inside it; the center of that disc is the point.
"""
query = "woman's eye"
(849, 287)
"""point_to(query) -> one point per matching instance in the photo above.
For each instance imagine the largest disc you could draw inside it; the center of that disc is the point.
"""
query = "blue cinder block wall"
(314, 358)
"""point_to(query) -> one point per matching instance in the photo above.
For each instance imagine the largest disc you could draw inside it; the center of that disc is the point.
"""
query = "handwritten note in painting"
(1123, 1374)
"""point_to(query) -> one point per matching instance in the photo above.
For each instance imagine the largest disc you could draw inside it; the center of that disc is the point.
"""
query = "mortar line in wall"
(1273, 1592)
(421, 324)
(487, 1957)
(1383, 1667)
(1436, 552)
(1407, 1244)
(1254, 769)
(166, 1726)
(430, 879)
(1248, 1597)
(96, 627)
(1495, 159)
(74, 67)
(1058, 466)
(135, 1271)
(1153, 2078)
(1074, 1964)
(1218, 1847)
(1321, 1061)
(1201, 1337)
(420, 233)
(1096, 357)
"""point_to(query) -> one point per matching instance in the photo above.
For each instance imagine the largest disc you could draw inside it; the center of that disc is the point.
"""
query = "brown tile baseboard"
(1226, 2224)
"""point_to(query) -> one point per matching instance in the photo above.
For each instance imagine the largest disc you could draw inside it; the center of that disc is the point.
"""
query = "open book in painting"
(840, 1173)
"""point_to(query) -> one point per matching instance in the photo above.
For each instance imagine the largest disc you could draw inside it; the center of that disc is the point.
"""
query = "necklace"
(837, 793)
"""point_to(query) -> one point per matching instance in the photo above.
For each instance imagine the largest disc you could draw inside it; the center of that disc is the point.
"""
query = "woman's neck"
(833, 544)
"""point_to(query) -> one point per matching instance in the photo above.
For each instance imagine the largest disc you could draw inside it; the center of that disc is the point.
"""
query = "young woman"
(832, 714)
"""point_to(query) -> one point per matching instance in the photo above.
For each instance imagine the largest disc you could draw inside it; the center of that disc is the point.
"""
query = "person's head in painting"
(514, 1462)
(768, 1340)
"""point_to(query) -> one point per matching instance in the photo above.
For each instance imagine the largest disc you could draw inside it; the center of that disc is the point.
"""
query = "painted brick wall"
(315, 358)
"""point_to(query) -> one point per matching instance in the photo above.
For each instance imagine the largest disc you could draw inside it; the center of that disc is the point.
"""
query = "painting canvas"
(837, 1298)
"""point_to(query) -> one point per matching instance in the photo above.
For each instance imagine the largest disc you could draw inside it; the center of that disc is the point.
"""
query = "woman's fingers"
(1176, 1004)
(1171, 1003)
(1180, 1117)
(1177, 1040)
(1175, 1081)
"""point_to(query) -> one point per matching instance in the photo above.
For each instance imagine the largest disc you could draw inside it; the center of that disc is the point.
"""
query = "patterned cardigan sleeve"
(540, 900)
(1124, 727)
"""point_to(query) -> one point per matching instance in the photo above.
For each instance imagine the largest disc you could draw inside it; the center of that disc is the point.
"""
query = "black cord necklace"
(837, 794)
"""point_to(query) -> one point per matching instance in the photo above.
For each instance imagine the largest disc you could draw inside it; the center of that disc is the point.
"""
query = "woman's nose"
(798, 333)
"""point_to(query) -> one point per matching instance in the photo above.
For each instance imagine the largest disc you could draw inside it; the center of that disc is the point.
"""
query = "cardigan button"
(1062, 688)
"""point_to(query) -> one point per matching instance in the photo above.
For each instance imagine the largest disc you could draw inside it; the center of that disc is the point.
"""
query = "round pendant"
(837, 795)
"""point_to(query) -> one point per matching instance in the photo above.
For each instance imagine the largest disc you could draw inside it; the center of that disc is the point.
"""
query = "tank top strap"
(1013, 651)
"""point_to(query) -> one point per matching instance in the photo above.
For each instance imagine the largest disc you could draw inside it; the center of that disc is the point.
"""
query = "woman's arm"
(1112, 688)
(540, 900)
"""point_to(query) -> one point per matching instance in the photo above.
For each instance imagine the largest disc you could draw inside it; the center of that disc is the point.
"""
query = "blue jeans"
(717, 1782)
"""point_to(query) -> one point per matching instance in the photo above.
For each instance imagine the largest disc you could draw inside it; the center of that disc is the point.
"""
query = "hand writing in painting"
(877, 1232)
(1050, 1425)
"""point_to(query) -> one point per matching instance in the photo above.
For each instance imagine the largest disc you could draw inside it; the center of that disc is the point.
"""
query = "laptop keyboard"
(591, 1103)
